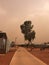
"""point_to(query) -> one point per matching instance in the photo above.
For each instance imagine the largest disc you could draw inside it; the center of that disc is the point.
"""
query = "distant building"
(4, 43)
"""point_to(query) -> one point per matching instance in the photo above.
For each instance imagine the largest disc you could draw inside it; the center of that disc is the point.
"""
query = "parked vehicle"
(4, 43)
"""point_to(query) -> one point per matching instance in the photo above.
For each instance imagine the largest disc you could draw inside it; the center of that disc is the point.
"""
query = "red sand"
(6, 58)
(42, 55)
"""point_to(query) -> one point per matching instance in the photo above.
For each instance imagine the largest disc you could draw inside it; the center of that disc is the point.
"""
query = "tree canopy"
(26, 29)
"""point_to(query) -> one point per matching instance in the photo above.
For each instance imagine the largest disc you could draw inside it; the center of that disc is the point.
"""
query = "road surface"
(23, 57)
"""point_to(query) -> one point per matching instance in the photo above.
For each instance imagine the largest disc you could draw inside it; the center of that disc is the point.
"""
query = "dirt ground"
(42, 55)
(6, 58)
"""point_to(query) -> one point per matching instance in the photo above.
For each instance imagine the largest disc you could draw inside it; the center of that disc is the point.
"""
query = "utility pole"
(15, 39)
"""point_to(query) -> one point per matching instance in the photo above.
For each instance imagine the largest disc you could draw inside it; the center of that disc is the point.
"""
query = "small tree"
(26, 29)
(13, 44)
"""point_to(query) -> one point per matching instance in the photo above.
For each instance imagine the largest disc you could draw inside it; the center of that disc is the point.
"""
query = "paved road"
(23, 57)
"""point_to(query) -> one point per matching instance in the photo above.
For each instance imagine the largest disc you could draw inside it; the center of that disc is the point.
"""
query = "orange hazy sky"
(14, 12)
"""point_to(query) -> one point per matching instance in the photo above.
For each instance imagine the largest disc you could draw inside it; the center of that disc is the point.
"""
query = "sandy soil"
(6, 58)
(42, 55)
(23, 57)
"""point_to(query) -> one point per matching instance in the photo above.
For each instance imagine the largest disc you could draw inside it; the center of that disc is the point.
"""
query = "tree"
(26, 29)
